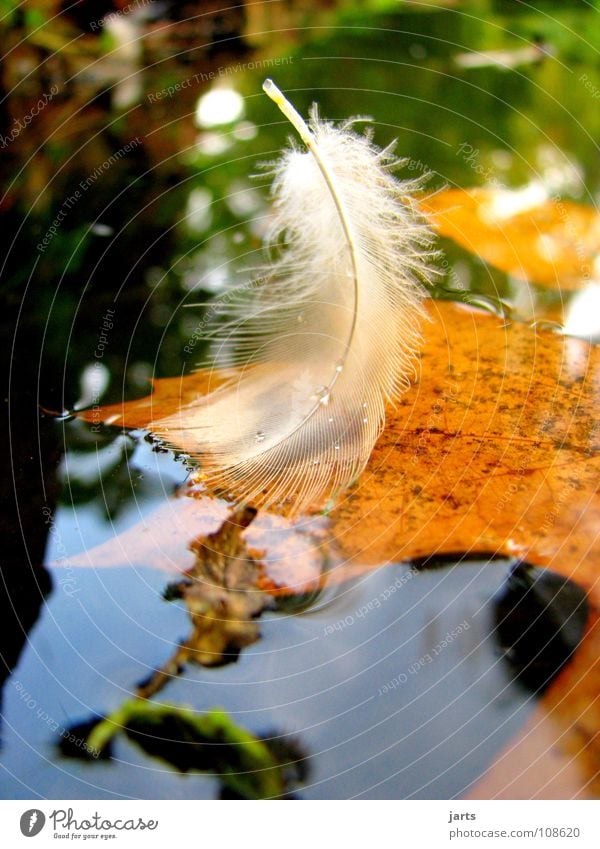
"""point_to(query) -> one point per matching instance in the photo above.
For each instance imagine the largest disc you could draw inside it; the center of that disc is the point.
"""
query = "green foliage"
(188, 741)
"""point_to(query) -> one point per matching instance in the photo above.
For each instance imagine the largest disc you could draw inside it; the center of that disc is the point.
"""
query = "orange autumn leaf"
(553, 242)
(556, 754)
(495, 449)
(168, 394)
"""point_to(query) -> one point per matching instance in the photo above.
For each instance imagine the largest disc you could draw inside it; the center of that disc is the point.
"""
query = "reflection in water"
(379, 711)
(540, 621)
(246, 766)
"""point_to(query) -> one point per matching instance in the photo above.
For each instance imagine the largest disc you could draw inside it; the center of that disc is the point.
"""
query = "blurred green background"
(475, 92)
(130, 134)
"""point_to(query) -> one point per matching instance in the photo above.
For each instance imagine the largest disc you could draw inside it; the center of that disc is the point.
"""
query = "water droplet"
(322, 395)
(486, 302)
(553, 326)
(337, 447)
(260, 436)
(330, 418)
(339, 367)
(316, 462)
(365, 405)
(365, 420)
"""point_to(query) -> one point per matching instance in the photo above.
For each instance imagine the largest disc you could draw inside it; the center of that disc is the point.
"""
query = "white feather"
(329, 333)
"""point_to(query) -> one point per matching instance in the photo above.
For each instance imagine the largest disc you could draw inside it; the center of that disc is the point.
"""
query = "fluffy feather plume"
(324, 336)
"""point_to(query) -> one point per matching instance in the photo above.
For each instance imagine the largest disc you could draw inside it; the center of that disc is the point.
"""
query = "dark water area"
(126, 198)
